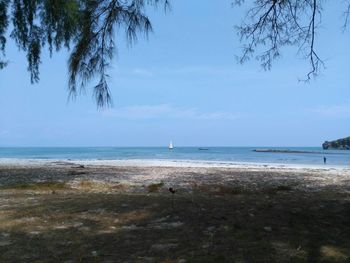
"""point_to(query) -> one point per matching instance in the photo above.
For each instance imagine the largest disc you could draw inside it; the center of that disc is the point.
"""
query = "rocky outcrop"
(340, 144)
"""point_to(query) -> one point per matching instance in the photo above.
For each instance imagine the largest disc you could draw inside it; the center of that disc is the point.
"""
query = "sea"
(302, 156)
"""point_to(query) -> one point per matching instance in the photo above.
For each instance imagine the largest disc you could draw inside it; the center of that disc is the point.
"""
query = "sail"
(171, 145)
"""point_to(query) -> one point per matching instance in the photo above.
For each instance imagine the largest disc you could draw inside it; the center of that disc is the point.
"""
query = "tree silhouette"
(89, 29)
(273, 24)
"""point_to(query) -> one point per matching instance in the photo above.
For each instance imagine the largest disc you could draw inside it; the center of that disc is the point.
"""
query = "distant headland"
(340, 144)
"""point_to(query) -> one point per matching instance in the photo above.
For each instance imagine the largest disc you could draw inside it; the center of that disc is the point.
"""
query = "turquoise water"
(227, 154)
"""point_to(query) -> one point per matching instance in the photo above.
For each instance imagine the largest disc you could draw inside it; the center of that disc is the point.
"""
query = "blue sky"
(184, 84)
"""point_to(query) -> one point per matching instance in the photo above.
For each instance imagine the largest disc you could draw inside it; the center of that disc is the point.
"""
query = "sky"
(184, 84)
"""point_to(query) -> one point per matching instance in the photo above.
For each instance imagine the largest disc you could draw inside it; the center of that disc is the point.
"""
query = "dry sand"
(109, 211)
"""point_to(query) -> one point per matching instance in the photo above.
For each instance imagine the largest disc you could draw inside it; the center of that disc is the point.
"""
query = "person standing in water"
(324, 160)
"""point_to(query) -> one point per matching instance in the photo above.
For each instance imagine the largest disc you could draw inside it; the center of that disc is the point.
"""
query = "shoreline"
(171, 163)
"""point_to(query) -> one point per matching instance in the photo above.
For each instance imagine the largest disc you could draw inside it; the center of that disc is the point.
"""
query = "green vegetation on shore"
(340, 144)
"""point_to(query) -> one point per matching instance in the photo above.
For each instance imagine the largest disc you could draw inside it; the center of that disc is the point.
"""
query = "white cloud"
(187, 70)
(195, 71)
(166, 111)
(139, 72)
(333, 111)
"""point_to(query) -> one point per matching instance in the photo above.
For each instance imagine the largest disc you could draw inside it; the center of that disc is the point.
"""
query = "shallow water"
(314, 155)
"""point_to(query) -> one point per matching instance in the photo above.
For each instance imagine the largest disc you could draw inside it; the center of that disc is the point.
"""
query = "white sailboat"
(171, 146)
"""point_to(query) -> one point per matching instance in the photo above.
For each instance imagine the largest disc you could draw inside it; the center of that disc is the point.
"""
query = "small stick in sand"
(172, 191)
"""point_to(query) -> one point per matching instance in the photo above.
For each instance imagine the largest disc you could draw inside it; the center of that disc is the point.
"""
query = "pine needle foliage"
(91, 30)
(88, 28)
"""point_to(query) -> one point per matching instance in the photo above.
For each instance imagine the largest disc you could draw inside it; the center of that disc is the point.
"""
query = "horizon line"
(157, 146)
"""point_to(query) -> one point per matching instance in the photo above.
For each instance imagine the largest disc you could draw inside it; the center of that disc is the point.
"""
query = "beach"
(138, 172)
(123, 211)
(159, 131)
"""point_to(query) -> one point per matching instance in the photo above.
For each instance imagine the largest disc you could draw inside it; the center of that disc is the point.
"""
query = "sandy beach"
(171, 172)
(123, 211)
